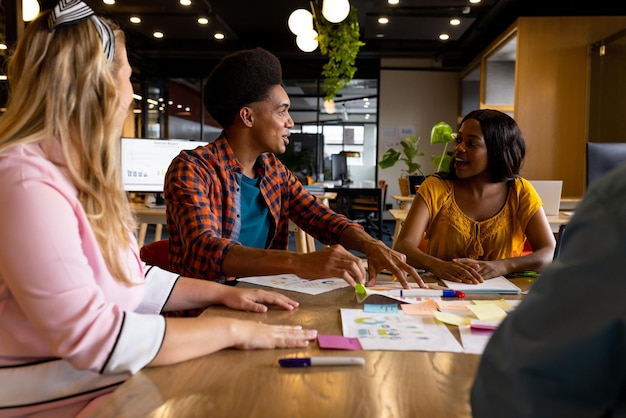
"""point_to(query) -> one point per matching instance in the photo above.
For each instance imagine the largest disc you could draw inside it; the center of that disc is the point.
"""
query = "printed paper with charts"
(383, 331)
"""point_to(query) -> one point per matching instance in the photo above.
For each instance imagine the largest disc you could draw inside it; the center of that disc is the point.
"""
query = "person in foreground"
(77, 317)
(561, 352)
(229, 203)
(477, 216)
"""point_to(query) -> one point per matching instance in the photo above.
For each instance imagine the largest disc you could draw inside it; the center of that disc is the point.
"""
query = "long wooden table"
(233, 383)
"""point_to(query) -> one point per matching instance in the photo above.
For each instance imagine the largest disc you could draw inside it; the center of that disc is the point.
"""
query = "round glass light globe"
(300, 20)
(335, 11)
(307, 41)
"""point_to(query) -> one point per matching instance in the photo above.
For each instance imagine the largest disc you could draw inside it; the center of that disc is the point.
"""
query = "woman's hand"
(460, 270)
(254, 300)
(486, 269)
(256, 335)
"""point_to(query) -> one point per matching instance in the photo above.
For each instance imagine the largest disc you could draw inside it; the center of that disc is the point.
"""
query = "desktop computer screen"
(144, 161)
(339, 167)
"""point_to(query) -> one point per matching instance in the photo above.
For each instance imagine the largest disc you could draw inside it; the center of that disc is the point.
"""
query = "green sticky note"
(360, 289)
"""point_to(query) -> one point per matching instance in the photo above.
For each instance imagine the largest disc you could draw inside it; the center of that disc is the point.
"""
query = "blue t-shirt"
(255, 223)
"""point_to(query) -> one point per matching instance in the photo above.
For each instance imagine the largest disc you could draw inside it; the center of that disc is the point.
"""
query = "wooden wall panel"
(551, 94)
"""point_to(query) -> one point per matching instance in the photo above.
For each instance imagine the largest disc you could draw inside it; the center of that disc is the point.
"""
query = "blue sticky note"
(370, 307)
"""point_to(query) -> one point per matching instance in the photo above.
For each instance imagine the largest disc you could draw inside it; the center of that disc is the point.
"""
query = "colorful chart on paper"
(383, 331)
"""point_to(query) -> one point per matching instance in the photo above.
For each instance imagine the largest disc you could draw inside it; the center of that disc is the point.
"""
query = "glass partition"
(500, 76)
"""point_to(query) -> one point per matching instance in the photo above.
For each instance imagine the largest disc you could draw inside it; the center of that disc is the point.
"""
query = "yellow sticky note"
(502, 303)
(452, 319)
(488, 311)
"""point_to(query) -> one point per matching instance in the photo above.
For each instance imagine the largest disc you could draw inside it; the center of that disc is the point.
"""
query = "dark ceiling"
(189, 49)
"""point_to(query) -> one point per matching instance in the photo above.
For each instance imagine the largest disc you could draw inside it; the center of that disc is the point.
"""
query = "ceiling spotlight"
(444, 37)
(475, 1)
(108, 1)
(219, 36)
(203, 21)
(158, 35)
(185, 2)
(393, 1)
(335, 11)
(135, 19)
(383, 20)
(455, 21)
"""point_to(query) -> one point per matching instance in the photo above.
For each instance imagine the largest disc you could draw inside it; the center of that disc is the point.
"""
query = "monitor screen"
(144, 162)
(602, 157)
(339, 167)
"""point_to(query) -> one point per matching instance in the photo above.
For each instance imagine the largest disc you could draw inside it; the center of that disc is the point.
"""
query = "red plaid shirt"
(202, 192)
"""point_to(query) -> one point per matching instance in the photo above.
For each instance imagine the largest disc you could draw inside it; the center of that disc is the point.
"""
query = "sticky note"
(501, 303)
(385, 308)
(426, 308)
(488, 311)
(338, 342)
(452, 305)
(452, 319)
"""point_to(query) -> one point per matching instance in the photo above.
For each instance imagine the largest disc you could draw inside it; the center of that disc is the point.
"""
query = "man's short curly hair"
(240, 78)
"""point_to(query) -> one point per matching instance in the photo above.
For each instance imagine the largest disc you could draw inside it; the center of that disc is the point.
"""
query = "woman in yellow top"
(476, 217)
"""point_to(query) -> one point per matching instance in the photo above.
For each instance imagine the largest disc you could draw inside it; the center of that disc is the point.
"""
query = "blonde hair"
(63, 90)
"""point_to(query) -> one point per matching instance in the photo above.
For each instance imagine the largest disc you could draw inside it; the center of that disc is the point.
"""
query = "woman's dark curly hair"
(240, 78)
(504, 141)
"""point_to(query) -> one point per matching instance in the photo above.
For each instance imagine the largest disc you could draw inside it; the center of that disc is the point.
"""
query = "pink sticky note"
(425, 308)
(338, 342)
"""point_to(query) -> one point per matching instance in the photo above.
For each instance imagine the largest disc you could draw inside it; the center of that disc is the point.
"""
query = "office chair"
(368, 211)
(156, 254)
(559, 241)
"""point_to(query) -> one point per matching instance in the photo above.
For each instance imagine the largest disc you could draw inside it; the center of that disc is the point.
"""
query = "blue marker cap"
(448, 293)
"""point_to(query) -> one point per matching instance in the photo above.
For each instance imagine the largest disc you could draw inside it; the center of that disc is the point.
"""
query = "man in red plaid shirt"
(229, 203)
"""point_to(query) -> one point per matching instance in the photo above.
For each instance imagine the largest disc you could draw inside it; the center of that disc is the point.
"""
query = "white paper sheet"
(498, 284)
(398, 332)
(297, 284)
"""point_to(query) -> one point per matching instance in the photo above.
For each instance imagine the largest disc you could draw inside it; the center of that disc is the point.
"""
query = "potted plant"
(410, 151)
(441, 133)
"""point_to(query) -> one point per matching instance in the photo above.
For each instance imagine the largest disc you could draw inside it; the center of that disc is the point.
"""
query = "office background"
(411, 83)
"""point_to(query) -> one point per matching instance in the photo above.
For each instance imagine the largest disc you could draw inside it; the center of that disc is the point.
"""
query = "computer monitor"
(339, 168)
(144, 162)
(602, 157)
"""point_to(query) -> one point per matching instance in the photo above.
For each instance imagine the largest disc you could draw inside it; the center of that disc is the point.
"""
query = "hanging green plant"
(340, 42)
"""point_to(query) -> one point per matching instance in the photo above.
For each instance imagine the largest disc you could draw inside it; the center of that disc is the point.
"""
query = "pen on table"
(446, 293)
(321, 361)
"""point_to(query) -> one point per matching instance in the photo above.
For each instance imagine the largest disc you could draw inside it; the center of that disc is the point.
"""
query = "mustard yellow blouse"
(451, 233)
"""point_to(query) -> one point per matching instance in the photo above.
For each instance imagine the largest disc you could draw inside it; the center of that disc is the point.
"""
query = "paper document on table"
(498, 284)
(397, 332)
(297, 284)
(390, 293)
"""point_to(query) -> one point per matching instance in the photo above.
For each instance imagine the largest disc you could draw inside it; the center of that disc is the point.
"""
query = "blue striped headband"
(71, 12)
